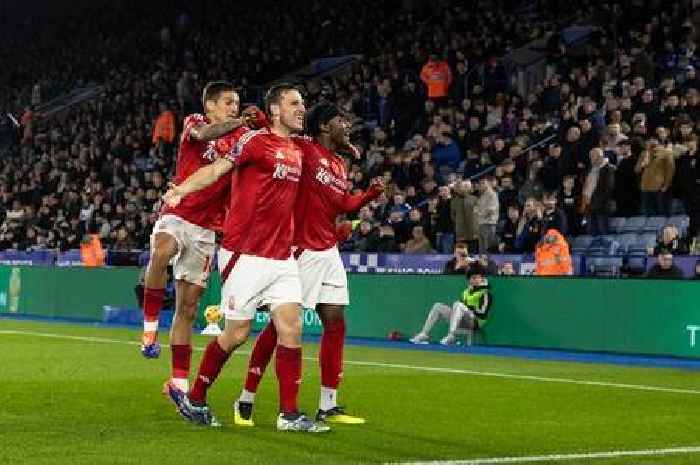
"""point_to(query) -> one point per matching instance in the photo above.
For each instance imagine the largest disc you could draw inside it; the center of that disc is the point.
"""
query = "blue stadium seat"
(616, 224)
(654, 224)
(637, 263)
(634, 224)
(648, 238)
(625, 241)
(603, 245)
(603, 266)
(581, 242)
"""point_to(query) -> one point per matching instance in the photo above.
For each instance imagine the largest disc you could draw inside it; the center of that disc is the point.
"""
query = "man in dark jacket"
(598, 190)
(626, 181)
(553, 169)
(664, 268)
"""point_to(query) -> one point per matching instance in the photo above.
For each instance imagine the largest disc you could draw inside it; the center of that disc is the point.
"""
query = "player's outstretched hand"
(377, 184)
(172, 198)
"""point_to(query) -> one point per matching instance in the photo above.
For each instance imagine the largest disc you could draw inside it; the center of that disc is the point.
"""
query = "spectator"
(570, 205)
(598, 190)
(510, 230)
(387, 242)
(470, 312)
(459, 263)
(463, 205)
(553, 216)
(164, 126)
(437, 77)
(418, 244)
(657, 167)
(486, 212)
(552, 257)
(696, 275)
(664, 267)
(552, 171)
(626, 181)
(531, 229)
(507, 269)
(670, 241)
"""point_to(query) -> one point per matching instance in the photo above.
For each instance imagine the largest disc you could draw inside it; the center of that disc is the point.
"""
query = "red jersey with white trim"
(205, 208)
(264, 188)
(322, 197)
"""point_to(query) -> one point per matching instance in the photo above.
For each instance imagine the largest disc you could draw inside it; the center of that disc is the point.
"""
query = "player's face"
(292, 110)
(225, 107)
(339, 129)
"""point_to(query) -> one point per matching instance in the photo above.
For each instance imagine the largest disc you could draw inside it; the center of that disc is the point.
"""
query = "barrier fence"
(625, 316)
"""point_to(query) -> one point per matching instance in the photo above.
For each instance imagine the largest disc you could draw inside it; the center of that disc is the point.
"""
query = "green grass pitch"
(91, 399)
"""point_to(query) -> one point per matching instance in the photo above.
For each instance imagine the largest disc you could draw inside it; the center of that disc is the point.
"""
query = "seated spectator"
(470, 312)
(664, 267)
(696, 276)
(485, 263)
(552, 257)
(671, 242)
(387, 242)
(507, 269)
(419, 244)
(460, 262)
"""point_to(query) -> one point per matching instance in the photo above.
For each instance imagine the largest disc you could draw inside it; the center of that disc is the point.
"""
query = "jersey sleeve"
(226, 144)
(191, 121)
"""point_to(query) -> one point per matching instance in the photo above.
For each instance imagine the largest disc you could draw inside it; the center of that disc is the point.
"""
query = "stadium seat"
(625, 241)
(637, 263)
(648, 238)
(603, 245)
(634, 224)
(616, 224)
(581, 242)
(604, 266)
(654, 224)
(677, 207)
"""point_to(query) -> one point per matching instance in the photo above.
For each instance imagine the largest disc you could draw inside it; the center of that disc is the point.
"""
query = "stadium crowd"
(431, 102)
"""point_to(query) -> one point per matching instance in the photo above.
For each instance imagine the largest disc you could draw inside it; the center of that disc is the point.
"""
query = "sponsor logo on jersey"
(327, 178)
(287, 172)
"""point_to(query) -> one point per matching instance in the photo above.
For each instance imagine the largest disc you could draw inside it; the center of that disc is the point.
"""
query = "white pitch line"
(560, 457)
(543, 379)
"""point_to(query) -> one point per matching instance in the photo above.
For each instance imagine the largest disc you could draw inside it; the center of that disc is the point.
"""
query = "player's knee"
(330, 314)
(160, 256)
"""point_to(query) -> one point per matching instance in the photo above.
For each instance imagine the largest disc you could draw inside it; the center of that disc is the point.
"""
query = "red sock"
(260, 357)
(212, 362)
(330, 355)
(181, 356)
(288, 368)
(152, 303)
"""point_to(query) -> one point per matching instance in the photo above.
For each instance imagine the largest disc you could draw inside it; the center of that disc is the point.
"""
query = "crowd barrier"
(610, 315)
(354, 262)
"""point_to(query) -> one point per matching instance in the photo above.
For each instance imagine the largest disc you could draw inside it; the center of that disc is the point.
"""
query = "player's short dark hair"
(274, 94)
(213, 90)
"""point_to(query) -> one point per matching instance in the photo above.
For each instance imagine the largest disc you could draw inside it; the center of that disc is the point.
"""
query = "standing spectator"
(553, 169)
(552, 257)
(554, 217)
(510, 230)
(657, 167)
(530, 227)
(664, 267)
(626, 181)
(463, 205)
(486, 212)
(686, 175)
(437, 77)
(164, 126)
(569, 200)
(598, 190)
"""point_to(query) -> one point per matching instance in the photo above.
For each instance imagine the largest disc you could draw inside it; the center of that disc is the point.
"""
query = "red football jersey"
(264, 188)
(322, 197)
(205, 208)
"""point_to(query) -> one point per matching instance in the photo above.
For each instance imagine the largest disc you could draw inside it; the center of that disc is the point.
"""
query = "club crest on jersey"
(210, 153)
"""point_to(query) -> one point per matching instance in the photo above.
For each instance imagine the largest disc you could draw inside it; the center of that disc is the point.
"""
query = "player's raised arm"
(200, 179)
(212, 131)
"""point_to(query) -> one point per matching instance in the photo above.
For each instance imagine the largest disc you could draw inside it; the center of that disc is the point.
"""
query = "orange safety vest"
(553, 259)
(92, 253)
(437, 77)
(164, 127)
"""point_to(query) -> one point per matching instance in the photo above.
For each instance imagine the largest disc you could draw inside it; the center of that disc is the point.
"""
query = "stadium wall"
(625, 316)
